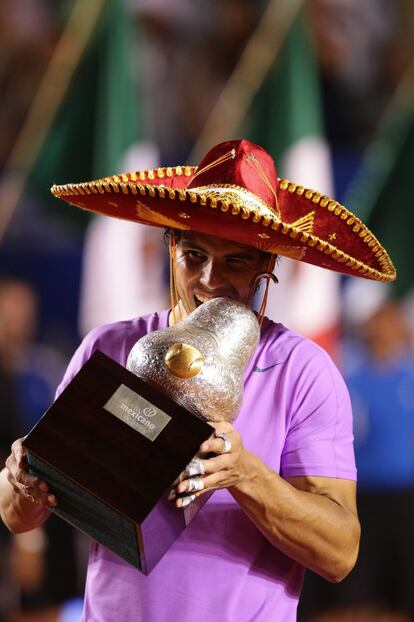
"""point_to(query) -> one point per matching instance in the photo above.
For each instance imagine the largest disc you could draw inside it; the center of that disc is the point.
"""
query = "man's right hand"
(24, 483)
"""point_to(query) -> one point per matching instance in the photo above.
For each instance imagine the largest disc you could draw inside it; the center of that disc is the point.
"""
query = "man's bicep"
(341, 491)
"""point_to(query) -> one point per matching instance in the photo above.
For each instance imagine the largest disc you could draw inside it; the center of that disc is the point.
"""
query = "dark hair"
(167, 235)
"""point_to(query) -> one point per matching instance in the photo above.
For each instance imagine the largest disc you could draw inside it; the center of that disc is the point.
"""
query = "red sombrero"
(235, 194)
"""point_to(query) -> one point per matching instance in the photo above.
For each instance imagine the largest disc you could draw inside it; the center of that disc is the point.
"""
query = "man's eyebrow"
(236, 253)
(243, 254)
(240, 254)
(194, 245)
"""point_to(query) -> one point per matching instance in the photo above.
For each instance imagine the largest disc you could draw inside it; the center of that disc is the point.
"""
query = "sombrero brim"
(308, 227)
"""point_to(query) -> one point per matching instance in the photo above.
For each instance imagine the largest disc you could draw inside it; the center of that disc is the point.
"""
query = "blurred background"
(90, 88)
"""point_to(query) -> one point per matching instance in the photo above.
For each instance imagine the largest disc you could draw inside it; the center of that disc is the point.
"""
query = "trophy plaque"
(115, 441)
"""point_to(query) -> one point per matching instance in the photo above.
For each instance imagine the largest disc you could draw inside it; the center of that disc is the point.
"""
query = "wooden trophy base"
(111, 447)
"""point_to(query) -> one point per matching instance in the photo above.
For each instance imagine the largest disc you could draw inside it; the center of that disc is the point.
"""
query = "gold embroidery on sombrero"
(240, 198)
(294, 252)
(230, 155)
(146, 213)
(304, 224)
(388, 270)
(261, 245)
(162, 171)
(252, 160)
(116, 182)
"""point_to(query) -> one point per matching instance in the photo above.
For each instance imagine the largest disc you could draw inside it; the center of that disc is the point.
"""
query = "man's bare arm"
(311, 519)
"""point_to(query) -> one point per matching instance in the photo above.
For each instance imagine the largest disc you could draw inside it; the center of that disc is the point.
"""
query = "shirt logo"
(262, 369)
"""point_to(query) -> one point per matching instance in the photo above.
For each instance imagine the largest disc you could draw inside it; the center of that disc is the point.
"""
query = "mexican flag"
(286, 120)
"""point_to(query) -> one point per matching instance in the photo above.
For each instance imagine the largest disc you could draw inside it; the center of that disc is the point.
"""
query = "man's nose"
(211, 275)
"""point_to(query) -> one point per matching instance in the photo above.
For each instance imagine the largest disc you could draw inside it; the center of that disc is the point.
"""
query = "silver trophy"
(200, 362)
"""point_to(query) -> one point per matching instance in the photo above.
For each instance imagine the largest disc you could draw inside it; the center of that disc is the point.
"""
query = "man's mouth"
(200, 299)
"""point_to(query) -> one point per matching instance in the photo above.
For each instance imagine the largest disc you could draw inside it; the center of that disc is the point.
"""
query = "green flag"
(288, 107)
(99, 118)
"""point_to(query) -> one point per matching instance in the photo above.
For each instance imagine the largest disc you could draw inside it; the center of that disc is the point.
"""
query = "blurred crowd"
(50, 293)
(40, 570)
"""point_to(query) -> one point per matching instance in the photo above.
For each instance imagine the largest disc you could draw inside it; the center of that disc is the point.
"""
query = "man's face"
(208, 267)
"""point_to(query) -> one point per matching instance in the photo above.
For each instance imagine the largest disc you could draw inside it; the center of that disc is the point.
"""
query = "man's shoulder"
(287, 342)
(123, 329)
(283, 351)
(116, 339)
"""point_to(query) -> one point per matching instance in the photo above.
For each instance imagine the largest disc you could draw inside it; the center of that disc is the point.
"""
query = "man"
(284, 474)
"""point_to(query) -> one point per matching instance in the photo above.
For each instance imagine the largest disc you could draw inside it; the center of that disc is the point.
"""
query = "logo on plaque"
(137, 412)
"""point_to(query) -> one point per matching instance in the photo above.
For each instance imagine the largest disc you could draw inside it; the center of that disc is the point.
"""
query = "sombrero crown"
(235, 194)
